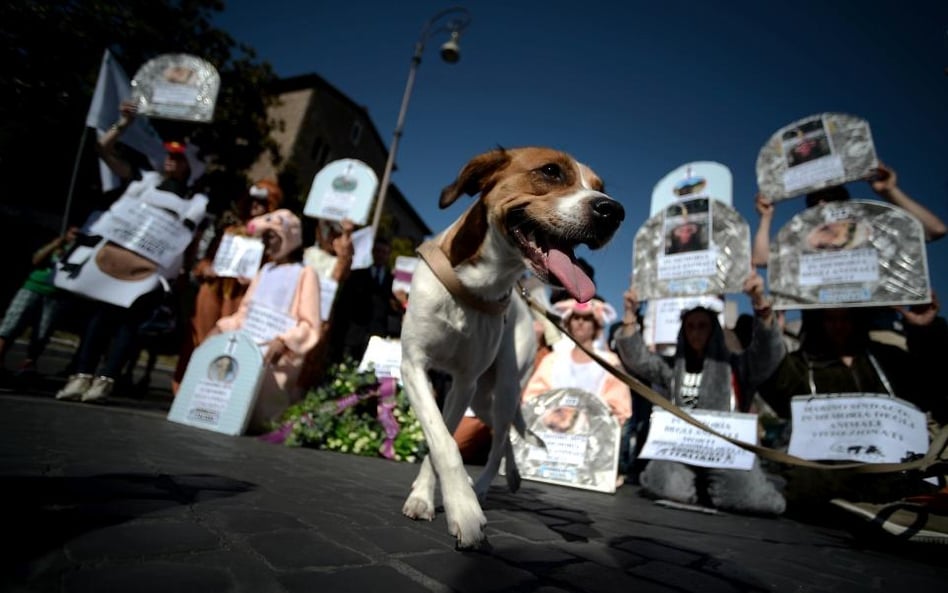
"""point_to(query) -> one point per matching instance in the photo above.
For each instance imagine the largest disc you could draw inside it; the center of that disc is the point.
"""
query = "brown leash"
(442, 269)
(931, 458)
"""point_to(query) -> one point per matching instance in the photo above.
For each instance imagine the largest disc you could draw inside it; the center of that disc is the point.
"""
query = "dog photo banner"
(867, 427)
(815, 152)
(177, 86)
(699, 179)
(581, 438)
(342, 189)
(852, 253)
(693, 247)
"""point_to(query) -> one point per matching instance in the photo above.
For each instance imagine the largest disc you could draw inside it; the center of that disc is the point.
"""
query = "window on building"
(356, 133)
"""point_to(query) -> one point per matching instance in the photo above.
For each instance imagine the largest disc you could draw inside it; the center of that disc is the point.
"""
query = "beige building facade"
(316, 124)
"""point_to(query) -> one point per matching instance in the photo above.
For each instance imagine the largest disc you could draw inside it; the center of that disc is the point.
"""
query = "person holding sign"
(883, 182)
(837, 356)
(280, 311)
(148, 235)
(228, 266)
(569, 367)
(706, 375)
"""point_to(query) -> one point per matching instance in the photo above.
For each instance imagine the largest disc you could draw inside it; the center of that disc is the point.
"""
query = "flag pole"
(72, 182)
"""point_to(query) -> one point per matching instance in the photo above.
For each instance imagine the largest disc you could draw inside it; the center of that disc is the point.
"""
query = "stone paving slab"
(116, 498)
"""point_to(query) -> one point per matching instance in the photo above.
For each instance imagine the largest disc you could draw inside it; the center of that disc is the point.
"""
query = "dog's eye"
(552, 171)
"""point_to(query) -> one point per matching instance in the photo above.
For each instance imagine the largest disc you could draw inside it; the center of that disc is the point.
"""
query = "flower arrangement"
(354, 412)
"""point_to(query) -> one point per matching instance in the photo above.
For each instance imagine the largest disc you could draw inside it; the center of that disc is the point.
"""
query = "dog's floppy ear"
(476, 176)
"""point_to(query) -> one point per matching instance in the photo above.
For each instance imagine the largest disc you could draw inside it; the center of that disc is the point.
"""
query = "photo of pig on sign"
(817, 151)
(693, 247)
(853, 253)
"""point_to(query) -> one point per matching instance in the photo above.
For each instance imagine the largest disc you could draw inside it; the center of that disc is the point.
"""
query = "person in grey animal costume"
(706, 375)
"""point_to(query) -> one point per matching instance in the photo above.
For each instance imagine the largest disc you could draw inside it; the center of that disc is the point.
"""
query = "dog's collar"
(439, 264)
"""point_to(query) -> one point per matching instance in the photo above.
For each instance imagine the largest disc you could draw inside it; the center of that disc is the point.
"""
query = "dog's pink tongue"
(571, 276)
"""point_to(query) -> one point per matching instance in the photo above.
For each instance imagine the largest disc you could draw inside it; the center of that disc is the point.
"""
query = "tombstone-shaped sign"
(581, 439)
(693, 247)
(818, 151)
(700, 179)
(852, 253)
(342, 189)
(220, 386)
(177, 86)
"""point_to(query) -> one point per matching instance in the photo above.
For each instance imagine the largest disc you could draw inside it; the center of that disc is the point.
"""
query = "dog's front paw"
(418, 508)
(466, 522)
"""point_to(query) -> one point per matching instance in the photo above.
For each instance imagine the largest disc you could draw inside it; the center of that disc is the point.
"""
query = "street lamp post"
(452, 20)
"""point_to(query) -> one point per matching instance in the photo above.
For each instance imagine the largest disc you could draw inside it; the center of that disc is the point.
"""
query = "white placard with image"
(238, 257)
(385, 356)
(673, 439)
(342, 189)
(867, 427)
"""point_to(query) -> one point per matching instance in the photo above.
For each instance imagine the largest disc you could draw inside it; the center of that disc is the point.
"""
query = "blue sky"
(634, 89)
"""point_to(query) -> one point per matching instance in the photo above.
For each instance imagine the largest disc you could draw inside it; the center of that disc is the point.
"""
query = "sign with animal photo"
(219, 388)
(342, 189)
(238, 257)
(852, 253)
(673, 439)
(867, 427)
(177, 86)
(700, 179)
(693, 247)
(580, 438)
(815, 152)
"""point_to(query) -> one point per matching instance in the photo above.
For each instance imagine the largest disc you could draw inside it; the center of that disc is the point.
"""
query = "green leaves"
(342, 415)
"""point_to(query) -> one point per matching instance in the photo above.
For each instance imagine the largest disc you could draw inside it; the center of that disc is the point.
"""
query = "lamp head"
(451, 51)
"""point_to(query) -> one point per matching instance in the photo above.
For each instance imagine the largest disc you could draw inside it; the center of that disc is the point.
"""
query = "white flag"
(111, 89)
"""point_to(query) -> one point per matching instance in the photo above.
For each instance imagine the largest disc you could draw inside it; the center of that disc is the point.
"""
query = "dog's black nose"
(607, 213)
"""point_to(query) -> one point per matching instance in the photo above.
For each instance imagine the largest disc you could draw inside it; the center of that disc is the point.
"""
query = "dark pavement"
(115, 498)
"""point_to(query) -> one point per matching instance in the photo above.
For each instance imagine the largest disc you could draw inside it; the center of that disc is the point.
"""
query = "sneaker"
(101, 388)
(918, 519)
(75, 387)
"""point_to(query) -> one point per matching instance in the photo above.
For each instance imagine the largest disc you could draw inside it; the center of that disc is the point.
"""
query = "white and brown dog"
(535, 205)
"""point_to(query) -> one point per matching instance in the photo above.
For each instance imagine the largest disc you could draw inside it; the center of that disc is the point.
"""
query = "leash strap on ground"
(931, 458)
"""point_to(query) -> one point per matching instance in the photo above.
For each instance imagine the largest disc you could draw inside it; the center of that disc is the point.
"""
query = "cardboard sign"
(147, 230)
(693, 247)
(852, 253)
(673, 439)
(79, 272)
(817, 151)
(700, 179)
(219, 388)
(262, 323)
(663, 316)
(384, 355)
(238, 257)
(403, 272)
(868, 427)
(177, 86)
(342, 189)
(581, 438)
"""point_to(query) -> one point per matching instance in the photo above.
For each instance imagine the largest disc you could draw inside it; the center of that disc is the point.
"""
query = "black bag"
(164, 319)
